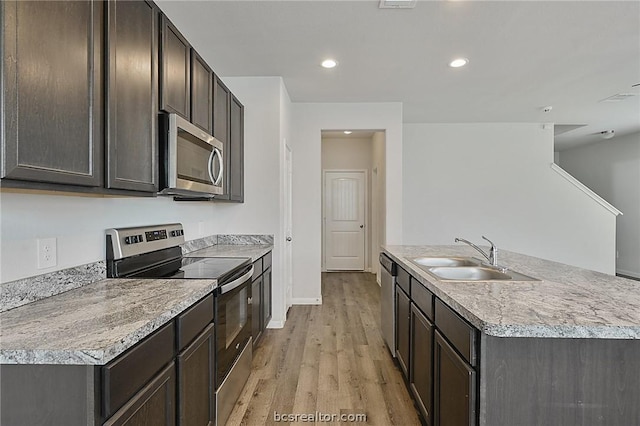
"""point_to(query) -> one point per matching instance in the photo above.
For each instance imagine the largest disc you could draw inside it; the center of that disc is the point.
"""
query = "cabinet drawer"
(457, 331)
(257, 269)
(403, 279)
(124, 376)
(266, 261)
(154, 405)
(422, 297)
(191, 322)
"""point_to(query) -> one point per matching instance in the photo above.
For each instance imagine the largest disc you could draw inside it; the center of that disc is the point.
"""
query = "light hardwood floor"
(330, 359)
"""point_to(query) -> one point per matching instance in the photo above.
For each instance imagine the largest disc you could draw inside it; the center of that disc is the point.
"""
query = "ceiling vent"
(397, 4)
(619, 97)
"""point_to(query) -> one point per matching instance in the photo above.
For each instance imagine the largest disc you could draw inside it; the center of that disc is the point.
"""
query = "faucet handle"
(490, 242)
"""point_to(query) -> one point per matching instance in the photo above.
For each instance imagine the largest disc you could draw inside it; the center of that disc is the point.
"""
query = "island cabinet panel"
(421, 371)
(545, 381)
(196, 377)
(454, 391)
(175, 91)
(153, 405)
(403, 328)
(52, 127)
(132, 114)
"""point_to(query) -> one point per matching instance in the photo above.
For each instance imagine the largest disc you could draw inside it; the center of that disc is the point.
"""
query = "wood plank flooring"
(330, 359)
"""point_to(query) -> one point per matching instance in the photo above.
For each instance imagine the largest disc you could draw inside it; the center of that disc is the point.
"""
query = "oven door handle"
(236, 283)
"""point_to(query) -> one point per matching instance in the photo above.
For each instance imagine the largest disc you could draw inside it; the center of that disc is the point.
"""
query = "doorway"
(363, 152)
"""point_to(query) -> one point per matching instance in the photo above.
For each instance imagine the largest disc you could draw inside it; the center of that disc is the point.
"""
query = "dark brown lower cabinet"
(454, 391)
(196, 399)
(256, 309)
(421, 370)
(266, 298)
(153, 405)
(403, 328)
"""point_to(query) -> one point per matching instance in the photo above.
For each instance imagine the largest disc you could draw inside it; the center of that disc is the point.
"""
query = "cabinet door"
(403, 326)
(221, 96)
(201, 93)
(235, 153)
(454, 393)
(176, 71)
(132, 117)
(52, 91)
(153, 405)
(196, 374)
(266, 298)
(421, 370)
(256, 310)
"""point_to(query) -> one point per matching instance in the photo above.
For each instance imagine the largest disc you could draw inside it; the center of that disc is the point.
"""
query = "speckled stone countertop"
(254, 251)
(568, 302)
(95, 323)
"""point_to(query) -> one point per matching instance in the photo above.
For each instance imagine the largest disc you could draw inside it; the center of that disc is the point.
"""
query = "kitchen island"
(561, 350)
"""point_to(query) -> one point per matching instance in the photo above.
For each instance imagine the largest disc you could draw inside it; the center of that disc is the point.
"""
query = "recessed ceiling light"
(607, 134)
(459, 62)
(329, 63)
(347, 132)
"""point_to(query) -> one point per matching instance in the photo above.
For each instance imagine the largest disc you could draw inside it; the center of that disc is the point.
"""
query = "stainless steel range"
(154, 252)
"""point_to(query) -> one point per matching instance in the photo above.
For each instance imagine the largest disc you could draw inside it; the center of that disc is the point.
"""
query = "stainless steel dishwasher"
(388, 274)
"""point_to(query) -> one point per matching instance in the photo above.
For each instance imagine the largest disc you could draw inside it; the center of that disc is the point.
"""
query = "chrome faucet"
(493, 251)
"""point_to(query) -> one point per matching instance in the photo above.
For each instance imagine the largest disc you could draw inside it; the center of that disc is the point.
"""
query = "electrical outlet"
(47, 253)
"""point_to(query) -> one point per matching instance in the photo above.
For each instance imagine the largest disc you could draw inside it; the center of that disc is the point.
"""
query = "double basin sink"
(465, 269)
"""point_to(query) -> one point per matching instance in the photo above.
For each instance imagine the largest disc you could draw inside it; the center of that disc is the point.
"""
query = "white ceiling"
(524, 55)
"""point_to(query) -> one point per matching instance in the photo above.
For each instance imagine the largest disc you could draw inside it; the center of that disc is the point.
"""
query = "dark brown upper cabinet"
(221, 98)
(201, 93)
(235, 153)
(175, 71)
(52, 129)
(132, 96)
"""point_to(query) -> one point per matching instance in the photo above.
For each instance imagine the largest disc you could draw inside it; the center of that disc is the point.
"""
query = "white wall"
(378, 197)
(469, 180)
(351, 154)
(309, 120)
(79, 222)
(612, 169)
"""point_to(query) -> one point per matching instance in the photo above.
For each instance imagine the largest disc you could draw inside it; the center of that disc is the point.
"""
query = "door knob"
(361, 226)
(289, 238)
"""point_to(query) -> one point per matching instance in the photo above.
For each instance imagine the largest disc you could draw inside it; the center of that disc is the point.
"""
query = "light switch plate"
(47, 253)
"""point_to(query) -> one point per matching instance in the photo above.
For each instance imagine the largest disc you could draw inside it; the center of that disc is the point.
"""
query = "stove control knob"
(127, 240)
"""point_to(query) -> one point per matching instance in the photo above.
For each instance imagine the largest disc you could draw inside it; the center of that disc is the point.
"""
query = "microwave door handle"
(216, 153)
(209, 166)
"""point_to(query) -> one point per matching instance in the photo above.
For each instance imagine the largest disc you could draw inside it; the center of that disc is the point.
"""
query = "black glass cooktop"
(220, 268)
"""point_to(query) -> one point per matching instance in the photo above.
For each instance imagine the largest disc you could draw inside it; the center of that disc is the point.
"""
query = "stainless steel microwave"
(191, 159)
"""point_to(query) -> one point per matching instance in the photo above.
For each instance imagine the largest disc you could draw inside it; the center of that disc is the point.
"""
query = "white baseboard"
(306, 301)
(628, 273)
(275, 324)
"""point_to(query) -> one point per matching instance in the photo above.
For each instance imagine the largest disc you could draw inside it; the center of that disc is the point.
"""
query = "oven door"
(232, 323)
(194, 163)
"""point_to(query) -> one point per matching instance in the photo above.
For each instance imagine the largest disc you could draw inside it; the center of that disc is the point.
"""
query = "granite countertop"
(254, 251)
(93, 324)
(568, 302)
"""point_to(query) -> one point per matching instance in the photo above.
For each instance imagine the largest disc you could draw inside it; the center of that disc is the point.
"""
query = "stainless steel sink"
(477, 273)
(469, 273)
(436, 261)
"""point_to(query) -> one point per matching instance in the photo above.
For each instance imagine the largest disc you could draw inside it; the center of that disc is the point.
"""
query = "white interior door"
(345, 212)
(288, 266)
